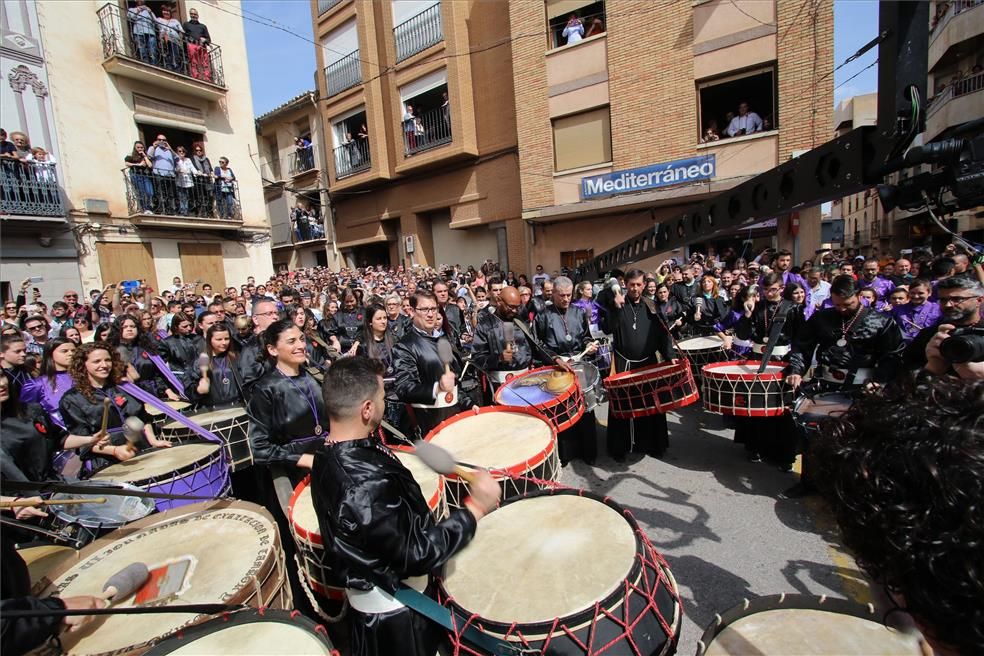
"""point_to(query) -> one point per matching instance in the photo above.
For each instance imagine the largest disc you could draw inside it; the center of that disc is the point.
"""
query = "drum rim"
(783, 601)
(74, 519)
(557, 400)
(195, 632)
(174, 424)
(708, 371)
(549, 627)
(534, 461)
(645, 372)
(196, 465)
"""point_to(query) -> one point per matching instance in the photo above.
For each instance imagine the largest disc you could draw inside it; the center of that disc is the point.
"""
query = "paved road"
(719, 523)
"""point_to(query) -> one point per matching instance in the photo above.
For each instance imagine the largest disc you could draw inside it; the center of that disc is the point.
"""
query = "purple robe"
(882, 286)
(38, 390)
(913, 318)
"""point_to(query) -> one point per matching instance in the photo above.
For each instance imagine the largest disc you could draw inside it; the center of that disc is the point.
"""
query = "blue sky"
(282, 66)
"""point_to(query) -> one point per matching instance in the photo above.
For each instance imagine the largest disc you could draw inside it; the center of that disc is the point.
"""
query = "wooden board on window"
(126, 261)
(574, 259)
(202, 262)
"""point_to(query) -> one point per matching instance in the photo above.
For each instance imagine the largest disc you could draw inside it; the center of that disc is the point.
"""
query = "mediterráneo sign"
(680, 171)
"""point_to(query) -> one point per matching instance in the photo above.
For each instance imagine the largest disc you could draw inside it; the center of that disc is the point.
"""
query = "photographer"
(960, 301)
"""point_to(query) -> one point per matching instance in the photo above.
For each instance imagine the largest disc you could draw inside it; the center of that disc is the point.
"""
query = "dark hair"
(215, 328)
(961, 282)
(348, 383)
(99, 332)
(47, 362)
(904, 471)
(420, 295)
(63, 333)
(79, 375)
(783, 253)
(12, 407)
(143, 340)
(942, 266)
(273, 332)
(770, 279)
(790, 289)
(177, 319)
(844, 285)
(372, 349)
(632, 274)
(738, 302)
(204, 315)
(10, 339)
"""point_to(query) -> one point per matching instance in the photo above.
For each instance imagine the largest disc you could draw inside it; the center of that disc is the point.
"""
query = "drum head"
(539, 387)
(809, 626)
(701, 343)
(155, 412)
(230, 545)
(209, 417)
(831, 404)
(43, 559)
(430, 482)
(247, 633)
(569, 551)
(301, 511)
(114, 512)
(156, 463)
(749, 369)
(496, 440)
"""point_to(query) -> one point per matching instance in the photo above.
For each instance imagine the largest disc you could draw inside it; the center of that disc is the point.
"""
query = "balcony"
(156, 199)
(745, 155)
(959, 103)
(343, 74)
(30, 189)
(305, 227)
(352, 157)
(426, 130)
(418, 33)
(325, 6)
(301, 161)
(133, 48)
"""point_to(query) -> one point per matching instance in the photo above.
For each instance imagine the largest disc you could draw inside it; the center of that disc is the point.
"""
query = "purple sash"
(166, 372)
(150, 399)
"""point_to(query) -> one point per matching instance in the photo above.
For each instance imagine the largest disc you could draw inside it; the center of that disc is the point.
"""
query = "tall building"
(615, 102)
(420, 130)
(118, 74)
(295, 176)
(864, 222)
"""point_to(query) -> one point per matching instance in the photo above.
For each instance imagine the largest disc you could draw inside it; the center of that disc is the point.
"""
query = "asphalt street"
(719, 522)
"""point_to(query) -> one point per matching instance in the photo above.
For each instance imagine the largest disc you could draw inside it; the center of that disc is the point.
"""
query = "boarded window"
(203, 262)
(125, 261)
(582, 139)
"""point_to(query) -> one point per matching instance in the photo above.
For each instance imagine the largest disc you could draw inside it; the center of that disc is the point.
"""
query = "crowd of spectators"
(735, 125)
(27, 174)
(165, 41)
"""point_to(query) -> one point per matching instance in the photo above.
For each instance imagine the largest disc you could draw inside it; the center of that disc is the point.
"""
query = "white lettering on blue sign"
(676, 172)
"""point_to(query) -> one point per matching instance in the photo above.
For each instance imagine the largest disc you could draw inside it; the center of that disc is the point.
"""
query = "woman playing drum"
(182, 348)
(48, 389)
(220, 381)
(709, 309)
(673, 313)
(138, 351)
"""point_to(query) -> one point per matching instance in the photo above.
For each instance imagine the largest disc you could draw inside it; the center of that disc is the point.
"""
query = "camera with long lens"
(964, 345)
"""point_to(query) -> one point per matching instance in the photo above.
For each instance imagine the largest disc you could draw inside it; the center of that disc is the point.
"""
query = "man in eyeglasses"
(36, 327)
(960, 300)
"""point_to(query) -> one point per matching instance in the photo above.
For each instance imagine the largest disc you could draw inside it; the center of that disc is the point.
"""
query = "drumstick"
(440, 460)
(105, 417)
(24, 503)
(445, 353)
(125, 582)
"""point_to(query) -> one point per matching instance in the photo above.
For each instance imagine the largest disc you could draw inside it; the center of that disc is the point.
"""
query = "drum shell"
(702, 355)
(189, 636)
(805, 415)
(651, 390)
(84, 530)
(745, 394)
(589, 378)
(563, 409)
(233, 431)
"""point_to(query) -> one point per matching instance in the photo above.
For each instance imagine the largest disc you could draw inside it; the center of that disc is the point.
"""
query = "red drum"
(651, 390)
(701, 351)
(556, 394)
(736, 388)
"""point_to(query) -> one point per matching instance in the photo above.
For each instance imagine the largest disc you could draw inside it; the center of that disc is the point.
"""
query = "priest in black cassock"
(640, 338)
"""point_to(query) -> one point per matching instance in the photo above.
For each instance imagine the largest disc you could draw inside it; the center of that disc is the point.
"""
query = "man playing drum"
(640, 338)
(564, 329)
(374, 519)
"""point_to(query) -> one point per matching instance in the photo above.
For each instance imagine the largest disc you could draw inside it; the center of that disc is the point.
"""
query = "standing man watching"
(960, 300)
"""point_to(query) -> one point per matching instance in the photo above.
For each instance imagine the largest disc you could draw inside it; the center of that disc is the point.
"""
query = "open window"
(426, 113)
(350, 147)
(721, 103)
(580, 19)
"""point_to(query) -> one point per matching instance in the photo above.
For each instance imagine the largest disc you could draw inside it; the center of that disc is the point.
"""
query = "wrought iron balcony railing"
(166, 194)
(426, 130)
(418, 33)
(136, 35)
(301, 160)
(29, 189)
(352, 157)
(343, 74)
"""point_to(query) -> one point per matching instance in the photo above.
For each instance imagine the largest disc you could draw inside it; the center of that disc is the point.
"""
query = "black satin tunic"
(253, 363)
(758, 327)
(346, 326)
(553, 326)
(283, 409)
(181, 354)
(418, 367)
(84, 417)
(26, 445)
(151, 378)
(489, 342)
(225, 382)
(871, 340)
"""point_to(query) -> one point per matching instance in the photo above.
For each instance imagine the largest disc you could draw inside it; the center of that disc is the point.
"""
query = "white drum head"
(156, 463)
(746, 369)
(206, 418)
(568, 551)
(302, 514)
(256, 639)
(155, 412)
(229, 547)
(701, 343)
(496, 440)
(809, 633)
(425, 477)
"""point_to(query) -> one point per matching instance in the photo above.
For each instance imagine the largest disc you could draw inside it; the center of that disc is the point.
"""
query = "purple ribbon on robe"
(150, 399)
(166, 372)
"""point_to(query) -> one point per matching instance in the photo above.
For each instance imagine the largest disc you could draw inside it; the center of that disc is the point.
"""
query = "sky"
(281, 65)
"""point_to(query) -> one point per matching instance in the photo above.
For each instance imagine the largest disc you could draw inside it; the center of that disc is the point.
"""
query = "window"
(574, 259)
(723, 100)
(590, 21)
(343, 67)
(426, 119)
(351, 143)
(582, 139)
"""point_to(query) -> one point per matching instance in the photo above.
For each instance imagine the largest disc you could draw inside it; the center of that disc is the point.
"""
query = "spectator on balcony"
(363, 132)
(204, 192)
(139, 167)
(185, 180)
(143, 27)
(305, 154)
(711, 132)
(198, 40)
(43, 168)
(352, 150)
(747, 122)
(410, 129)
(597, 27)
(446, 113)
(8, 151)
(162, 160)
(172, 38)
(225, 189)
(574, 30)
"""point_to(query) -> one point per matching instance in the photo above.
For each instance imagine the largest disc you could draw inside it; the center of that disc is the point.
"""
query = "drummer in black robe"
(564, 328)
(13, 356)
(345, 325)
(854, 345)
(27, 438)
(429, 386)
(253, 361)
(220, 381)
(138, 349)
(182, 348)
(773, 436)
(640, 338)
(374, 520)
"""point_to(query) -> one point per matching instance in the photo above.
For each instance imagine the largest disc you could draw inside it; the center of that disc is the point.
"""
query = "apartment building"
(295, 179)
(116, 76)
(420, 130)
(864, 223)
(629, 111)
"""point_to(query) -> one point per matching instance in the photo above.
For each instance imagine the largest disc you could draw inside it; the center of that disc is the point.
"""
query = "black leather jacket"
(375, 522)
(181, 353)
(758, 327)
(346, 326)
(455, 319)
(280, 412)
(871, 342)
(418, 367)
(549, 326)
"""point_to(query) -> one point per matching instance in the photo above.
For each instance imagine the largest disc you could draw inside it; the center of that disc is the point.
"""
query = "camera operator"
(960, 301)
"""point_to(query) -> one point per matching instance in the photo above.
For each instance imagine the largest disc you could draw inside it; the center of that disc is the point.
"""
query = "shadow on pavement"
(712, 589)
(844, 580)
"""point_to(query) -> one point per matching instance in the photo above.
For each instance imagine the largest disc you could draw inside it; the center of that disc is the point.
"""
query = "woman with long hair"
(670, 309)
(220, 381)
(140, 167)
(48, 389)
(182, 348)
(585, 300)
(138, 351)
(97, 370)
(709, 309)
(304, 319)
(377, 342)
(71, 333)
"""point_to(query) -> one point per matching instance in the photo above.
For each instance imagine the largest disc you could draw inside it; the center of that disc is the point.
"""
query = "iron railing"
(946, 11)
(301, 160)
(426, 130)
(343, 74)
(962, 87)
(163, 194)
(326, 5)
(136, 36)
(352, 157)
(418, 33)
(30, 189)
(305, 227)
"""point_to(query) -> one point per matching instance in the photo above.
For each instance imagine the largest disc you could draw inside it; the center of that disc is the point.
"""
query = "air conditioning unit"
(96, 206)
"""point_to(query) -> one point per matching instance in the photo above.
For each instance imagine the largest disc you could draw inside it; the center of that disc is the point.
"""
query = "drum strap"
(167, 373)
(45, 487)
(781, 313)
(152, 400)
(435, 612)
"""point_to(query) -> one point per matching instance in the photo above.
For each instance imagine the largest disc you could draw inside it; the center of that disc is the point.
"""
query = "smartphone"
(36, 279)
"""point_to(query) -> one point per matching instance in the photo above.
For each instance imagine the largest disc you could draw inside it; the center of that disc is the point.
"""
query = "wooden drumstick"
(441, 461)
(24, 503)
(445, 353)
(105, 417)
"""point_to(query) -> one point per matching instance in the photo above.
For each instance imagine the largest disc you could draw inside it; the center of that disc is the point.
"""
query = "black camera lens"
(964, 345)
